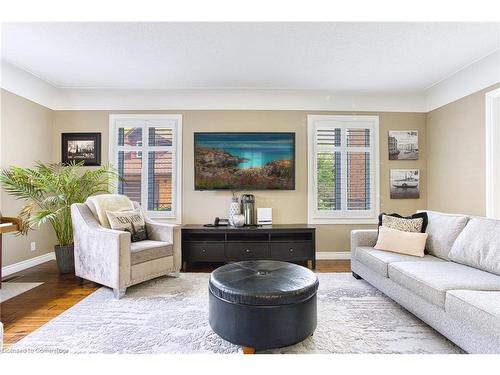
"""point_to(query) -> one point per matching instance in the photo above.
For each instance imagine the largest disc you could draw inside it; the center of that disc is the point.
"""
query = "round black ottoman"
(263, 304)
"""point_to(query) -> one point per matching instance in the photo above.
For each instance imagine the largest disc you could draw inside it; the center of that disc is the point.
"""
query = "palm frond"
(50, 189)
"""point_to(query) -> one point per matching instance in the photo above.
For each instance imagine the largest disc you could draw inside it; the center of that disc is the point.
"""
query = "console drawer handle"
(247, 250)
(203, 251)
(291, 250)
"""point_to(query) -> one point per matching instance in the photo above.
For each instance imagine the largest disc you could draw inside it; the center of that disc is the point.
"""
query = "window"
(146, 151)
(493, 154)
(343, 165)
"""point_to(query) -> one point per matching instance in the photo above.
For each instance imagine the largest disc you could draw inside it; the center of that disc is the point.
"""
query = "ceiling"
(371, 57)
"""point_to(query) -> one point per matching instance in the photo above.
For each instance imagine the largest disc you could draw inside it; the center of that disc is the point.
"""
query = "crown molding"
(482, 73)
(27, 85)
(474, 77)
(236, 99)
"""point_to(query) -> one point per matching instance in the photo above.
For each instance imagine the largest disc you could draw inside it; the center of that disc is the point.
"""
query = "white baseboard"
(333, 255)
(16, 267)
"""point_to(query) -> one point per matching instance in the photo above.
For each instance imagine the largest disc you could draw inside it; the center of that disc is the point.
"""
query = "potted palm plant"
(49, 191)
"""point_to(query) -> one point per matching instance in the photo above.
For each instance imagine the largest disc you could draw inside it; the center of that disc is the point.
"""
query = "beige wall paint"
(26, 137)
(456, 155)
(451, 160)
(288, 206)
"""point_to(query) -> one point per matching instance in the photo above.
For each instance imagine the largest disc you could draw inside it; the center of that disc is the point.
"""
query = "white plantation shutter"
(343, 168)
(145, 150)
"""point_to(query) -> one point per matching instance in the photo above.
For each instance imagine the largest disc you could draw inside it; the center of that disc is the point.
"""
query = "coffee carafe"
(248, 206)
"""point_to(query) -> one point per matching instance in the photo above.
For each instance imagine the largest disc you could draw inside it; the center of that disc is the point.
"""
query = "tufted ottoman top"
(263, 282)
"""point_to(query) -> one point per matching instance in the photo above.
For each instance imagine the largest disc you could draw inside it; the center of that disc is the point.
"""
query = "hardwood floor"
(23, 314)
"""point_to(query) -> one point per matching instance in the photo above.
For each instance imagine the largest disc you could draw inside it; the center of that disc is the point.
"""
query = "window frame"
(343, 122)
(145, 121)
(492, 150)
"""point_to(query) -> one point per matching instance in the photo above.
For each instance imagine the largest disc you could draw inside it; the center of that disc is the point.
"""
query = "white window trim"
(175, 215)
(315, 217)
(491, 147)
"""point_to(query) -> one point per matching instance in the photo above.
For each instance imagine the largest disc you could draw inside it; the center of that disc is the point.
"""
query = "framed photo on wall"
(403, 144)
(78, 147)
(405, 183)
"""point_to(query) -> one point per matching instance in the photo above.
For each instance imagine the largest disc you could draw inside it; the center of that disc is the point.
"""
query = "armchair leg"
(119, 292)
(175, 274)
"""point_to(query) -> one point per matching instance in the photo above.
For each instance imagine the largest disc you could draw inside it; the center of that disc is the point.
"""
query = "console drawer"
(247, 250)
(204, 252)
(291, 251)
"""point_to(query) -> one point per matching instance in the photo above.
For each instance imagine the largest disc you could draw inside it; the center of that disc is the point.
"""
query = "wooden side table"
(7, 224)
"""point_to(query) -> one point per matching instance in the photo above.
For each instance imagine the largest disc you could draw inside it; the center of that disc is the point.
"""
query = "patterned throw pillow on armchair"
(129, 221)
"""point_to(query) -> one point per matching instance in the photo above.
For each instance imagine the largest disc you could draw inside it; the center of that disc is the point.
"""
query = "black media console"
(294, 243)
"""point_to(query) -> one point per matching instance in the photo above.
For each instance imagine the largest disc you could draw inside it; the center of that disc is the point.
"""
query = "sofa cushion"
(481, 308)
(478, 245)
(378, 260)
(443, 230)
(145, 251)
(431, 280)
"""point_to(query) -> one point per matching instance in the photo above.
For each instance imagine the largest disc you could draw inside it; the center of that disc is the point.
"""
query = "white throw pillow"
(129, 221)
(397, 241)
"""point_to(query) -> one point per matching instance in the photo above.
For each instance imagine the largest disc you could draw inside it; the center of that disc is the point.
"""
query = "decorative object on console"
(234, 208)
(414, 223)
(49, 191)
(129, 221)
(403, 144)
(248, 205)
(405, 183)
(264, 216)
(81, 147)
(397, 241)
(239, 220)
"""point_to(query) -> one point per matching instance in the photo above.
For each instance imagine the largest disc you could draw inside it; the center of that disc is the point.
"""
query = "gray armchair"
(108, 257)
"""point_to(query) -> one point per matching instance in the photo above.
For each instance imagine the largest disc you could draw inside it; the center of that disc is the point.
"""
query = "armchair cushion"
(145, 251)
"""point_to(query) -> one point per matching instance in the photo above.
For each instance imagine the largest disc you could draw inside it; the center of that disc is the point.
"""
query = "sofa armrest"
(101, 255)
(363, 237)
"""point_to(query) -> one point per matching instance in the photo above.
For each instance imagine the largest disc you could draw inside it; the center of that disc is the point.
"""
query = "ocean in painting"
(244, 160)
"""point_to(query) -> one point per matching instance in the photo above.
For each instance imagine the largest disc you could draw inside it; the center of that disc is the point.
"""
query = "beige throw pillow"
(397, 241)
(129, 221)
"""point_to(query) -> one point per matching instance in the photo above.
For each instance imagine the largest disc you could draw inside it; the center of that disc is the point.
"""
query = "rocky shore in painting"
(216, 169)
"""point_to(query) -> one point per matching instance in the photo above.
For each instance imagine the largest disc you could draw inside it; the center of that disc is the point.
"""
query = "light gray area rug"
(12, 289)
(169, 315)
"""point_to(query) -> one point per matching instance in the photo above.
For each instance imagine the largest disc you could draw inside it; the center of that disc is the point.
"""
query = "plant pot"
(65, 258)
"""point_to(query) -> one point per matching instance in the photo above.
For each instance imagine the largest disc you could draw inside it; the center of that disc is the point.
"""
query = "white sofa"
(455, 287)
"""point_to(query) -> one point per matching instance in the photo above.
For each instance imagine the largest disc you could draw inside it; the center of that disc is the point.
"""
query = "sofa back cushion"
(443, 230)
(478, 245)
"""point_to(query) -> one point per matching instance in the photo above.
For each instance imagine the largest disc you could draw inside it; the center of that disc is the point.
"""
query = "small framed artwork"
(403, 144)
(78, 147)
(405, 183)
